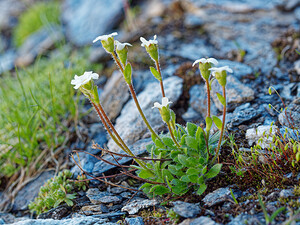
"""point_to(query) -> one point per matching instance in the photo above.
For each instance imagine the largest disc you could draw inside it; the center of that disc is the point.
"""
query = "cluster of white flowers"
(83, 79)
(215, 62)
(148, 43)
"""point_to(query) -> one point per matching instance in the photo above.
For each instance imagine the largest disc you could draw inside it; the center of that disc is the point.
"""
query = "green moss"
(34, 18)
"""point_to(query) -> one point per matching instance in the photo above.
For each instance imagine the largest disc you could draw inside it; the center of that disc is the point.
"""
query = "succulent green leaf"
(214, 171)
(145, 174)
(191, 129)
(192, 171)
(159, 190)
(127, 73)
(168, 141)
(193, 178)
(221, 99)
(183, 160)
(155, 73)
(209, 122)
(218, 122)
(191, 142)
(201, 189)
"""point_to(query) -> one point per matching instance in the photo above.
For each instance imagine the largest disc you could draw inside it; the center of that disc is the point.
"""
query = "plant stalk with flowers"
(182, 159)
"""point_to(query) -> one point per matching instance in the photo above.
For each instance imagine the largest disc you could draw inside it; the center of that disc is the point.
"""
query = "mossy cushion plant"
(34, 18)
(56, 191)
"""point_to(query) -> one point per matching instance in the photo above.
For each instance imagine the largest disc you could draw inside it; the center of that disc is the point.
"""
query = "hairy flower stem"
(222, 129)
(161, 82)
(117, 61)
(172, 135)
(100, 111)
(133, 94)
(208, 105)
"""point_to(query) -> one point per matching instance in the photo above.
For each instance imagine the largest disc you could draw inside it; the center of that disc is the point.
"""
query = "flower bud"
(165, 114)
(204, 69)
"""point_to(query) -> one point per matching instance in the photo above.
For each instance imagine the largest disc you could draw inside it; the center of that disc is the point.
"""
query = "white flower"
(83, 79)
(164, 103)
(105, 37)
(204, 60)
(148, 43)
(120, 45)
(220, 69)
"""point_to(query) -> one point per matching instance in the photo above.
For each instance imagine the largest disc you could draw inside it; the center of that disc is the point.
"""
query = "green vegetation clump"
(39, 15)
(56, 191)
(37, 106)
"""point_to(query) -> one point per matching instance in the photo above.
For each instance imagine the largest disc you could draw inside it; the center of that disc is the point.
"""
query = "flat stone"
(254, 134)
(114, 95)
(291, 115)
(7, 61)
(87, 220)
(94, 209)
(191, 115)
(246, 219)
(30, 191)
(135, 221)
(186, 210)
(198, 100)
(134, 206)
(99, 197)
(285, 193)
(37, 44)
(202, 220)
(85, 20)
(138, 148)
(130, 125)
(218, 196)
(236, 93)
(241, 114)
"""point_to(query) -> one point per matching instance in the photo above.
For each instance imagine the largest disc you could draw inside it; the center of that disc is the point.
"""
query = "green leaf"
(145, 174)
(201, 189)
(179, 166)
(191, 142)
(159, 144)
(182, 141)
(149, 148)
(185, 179)
(218, 122)
(191, 129)
(208, 121)
(173, 169)
(127, 73)
(214, 171)
(179, 187)
(168, 174)
(193, 178)
(192, 171)
(270, 91)
(174, 154)
(168, 141)
(273, 216)
(146, 188)
(221, 99)
(155, 73)
(69, 202)
(183, 160)
(159, 190)
(192, 161)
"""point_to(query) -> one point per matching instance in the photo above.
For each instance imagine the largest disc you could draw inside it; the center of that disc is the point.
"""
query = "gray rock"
(191, 115)
(2, 221)
(240, 115)
(135, 205)
(192, 21)
(240, 70)
(202, 220)
(246, 219)
(30, 191)
(186, 210)
(218, 196)
(135, 221)
(94, 209)
(236, 93)
(98, 197)
(198, 100)
(254, 134)
(87, 220)
(138, 148)
(114, 95)
(290, 116)
(285, 193)
(108, 199)
(85, 20)
(130, 125)
(117, 190)
(245, 4)
(9, 11)
(7, 60)
(38, 43)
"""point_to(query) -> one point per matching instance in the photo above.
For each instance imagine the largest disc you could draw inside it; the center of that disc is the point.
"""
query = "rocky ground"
(256, 38)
